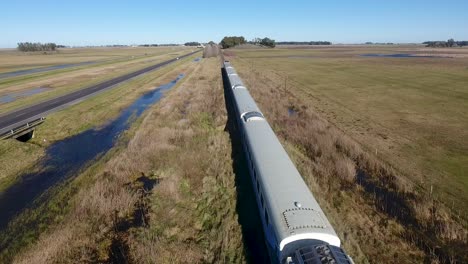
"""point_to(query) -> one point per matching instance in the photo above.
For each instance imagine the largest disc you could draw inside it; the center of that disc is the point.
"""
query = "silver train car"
(295, 227)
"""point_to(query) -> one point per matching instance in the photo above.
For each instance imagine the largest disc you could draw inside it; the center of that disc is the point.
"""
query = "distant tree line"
(444, 44)
(168, 45)
(267, 42)
(229, 42)
(149, 45)
(379, 43)
(303, 43)
(29, 46)
(157, 45)
(193, 43)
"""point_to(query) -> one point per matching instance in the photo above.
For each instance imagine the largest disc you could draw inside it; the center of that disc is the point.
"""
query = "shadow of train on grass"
(249, 219)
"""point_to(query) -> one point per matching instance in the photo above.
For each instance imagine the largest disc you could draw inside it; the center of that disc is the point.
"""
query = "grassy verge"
(380, 216)
(167, 186)
(91, 112)
(410, 112)
(55, 203)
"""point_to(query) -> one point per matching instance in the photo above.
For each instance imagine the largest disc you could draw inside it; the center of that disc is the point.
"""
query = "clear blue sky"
(84, 22)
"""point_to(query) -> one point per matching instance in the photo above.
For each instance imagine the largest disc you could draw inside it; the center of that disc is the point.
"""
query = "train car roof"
(244, 101)
(293, 205)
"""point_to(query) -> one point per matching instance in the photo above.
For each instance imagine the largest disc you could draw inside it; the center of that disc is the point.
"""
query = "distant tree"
(256, 41)
(450, 42)
(436, 44)
(28, 46)
(268, 42)
(149, 45)
(229, 42)
(193, 43)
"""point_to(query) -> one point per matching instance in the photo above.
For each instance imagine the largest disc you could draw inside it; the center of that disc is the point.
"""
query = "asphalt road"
(19, 117)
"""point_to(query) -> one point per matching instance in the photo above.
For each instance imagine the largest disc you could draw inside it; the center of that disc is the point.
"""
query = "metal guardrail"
(23, 129)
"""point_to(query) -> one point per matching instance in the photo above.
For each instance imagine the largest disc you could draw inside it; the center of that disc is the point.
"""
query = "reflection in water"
(64, 159)
(292, 112)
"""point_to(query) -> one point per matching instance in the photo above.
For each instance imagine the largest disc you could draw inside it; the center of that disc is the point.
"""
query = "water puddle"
(398, 55)
(43, 69)
(292, 112)
(65, 159)
(14, 96)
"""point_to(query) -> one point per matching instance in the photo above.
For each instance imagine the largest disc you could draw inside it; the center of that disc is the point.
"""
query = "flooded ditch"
(66, 158)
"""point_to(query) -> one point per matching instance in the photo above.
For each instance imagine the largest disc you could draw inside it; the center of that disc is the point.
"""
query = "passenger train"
(295, 227)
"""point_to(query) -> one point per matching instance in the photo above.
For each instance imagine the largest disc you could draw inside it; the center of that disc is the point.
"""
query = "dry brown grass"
(170, 190)
(381, 217)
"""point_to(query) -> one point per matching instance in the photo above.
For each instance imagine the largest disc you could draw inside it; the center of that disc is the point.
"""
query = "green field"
(112, 62)
(13, 60)
(411, 112)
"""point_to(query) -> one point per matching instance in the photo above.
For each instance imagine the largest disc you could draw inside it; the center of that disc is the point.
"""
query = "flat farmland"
(92, 112)
(383, 129)
(13, 60)
(410, 111)
(105, 63)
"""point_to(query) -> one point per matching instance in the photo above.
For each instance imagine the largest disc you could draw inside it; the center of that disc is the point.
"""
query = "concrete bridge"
(23, 132)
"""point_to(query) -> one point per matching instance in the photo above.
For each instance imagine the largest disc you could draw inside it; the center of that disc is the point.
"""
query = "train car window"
(267, 219)
(251, 116)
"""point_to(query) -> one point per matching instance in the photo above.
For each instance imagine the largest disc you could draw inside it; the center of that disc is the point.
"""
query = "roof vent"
(303, 218)
(252, 116)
